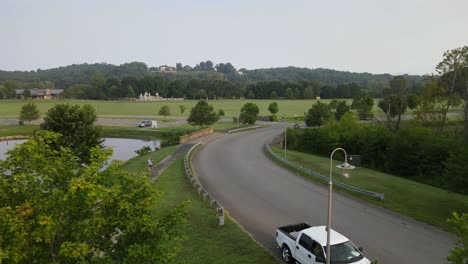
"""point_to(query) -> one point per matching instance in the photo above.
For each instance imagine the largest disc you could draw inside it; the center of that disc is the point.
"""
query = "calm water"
(124, 148)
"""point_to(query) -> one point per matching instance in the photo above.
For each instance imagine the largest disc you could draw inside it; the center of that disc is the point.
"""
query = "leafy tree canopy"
(55, 211)
(249, 113)
(202, 114)
(29, 112)
(317, 114)
(273, 108)
(76, 125)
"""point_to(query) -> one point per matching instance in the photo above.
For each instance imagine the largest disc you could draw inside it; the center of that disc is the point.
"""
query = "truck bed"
(292, 230)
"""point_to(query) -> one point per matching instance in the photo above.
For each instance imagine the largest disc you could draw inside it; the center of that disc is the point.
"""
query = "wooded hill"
(65, 77)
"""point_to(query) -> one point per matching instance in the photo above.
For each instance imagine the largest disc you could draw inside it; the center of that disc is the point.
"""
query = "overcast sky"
(394, 37)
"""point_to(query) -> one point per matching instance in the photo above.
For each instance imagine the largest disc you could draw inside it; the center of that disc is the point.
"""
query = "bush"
(143, 151)
(413, 152)
(273, 118)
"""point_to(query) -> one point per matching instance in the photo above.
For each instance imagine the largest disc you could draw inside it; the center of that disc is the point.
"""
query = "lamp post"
(345, 166)
(285, 130)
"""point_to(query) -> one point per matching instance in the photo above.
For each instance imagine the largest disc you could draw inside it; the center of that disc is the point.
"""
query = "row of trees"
(58, 205)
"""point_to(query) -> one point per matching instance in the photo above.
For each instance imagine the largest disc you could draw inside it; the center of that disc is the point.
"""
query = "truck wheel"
(286, 254)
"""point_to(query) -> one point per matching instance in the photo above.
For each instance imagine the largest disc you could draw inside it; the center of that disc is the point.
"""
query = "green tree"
(221, 112)
(363, 105)
(179, 66)
(273, 108)
(308, 93)
(29, 112)
(130, 92)
(164, 111)
(341, 109)
(413, 101)
(76, 125)
(289, 93)
(249, 113)
(454, 62)
(53, 210)
(202, 114)
(459, 254)
(318, 114)
(182, 108)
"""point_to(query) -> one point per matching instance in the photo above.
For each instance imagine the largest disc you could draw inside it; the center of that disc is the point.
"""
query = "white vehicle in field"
(307, 245)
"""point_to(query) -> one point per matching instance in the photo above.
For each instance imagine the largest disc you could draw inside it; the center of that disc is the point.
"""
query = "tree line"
(206, 80)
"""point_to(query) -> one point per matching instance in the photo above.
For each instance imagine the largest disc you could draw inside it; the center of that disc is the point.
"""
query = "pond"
(124, 148)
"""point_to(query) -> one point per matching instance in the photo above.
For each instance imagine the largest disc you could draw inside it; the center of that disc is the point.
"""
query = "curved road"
(261, 195)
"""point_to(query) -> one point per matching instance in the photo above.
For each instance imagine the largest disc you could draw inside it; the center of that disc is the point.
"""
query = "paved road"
(261, 195)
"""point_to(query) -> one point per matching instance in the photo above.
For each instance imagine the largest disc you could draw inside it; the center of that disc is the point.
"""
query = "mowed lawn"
(287, 108)
(419, 201)
(205, 242)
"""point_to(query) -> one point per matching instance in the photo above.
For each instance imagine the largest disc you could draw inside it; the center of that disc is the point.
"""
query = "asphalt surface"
(261, 196)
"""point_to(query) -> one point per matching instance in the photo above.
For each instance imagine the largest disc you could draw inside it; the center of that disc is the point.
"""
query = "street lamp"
(345, 166)
(285, 137)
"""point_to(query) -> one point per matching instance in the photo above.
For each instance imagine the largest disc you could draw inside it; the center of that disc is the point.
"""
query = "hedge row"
(413, 152)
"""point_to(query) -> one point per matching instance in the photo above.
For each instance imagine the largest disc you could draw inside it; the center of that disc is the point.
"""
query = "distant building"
(165, 68)
(37, 93)
(187, 68)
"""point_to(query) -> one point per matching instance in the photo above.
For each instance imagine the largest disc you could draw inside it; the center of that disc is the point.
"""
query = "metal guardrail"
(200, 190)
(243, 128)
(315, 174)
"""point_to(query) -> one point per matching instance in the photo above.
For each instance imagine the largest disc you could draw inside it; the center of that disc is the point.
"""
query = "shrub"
(273, 118)
(143, 151)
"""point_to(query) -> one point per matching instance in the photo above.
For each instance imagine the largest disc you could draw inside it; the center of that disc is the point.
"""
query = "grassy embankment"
(420, 201)
(205, 242)
(121, 131)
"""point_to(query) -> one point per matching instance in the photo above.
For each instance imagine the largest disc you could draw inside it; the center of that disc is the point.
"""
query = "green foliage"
(202, 114)
(54, 210)
(456, 169)
(413, 152)
(249, 113)
(273, 108)
(143, 151)
(273, 118)
(164, 111)
(363, 105)
(341, 110)
(459, 254)
(220, 112)
(29, 112)
(76, 125)
(318, 114)
(182, 108)
(413, 101)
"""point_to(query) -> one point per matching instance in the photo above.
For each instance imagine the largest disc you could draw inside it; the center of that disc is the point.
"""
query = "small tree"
(363, 105)
(29, 112)
(459, 254)
(249, 113)
(76, 125)
(202, 114)
(273, 108)
(164, 111)
(182, 108)
(318, 114)
(341, 109)
(220, 112)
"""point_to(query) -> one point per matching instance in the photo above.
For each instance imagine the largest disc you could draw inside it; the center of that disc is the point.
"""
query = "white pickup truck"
(307, 245)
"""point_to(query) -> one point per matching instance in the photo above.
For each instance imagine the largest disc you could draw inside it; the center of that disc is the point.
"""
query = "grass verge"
(420, 201)
(205, 242)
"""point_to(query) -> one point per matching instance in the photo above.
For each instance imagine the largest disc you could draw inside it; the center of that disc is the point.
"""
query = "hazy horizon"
(397, 37)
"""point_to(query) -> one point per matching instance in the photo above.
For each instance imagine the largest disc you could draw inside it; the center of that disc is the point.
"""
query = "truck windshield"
(344, 253)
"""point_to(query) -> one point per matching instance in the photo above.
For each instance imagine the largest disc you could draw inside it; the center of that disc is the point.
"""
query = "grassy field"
(287, 108)
(419, 201)
(205, 242)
